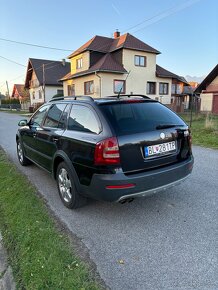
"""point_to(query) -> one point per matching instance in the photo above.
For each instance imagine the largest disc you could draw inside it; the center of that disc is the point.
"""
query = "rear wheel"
(66, 187)
(21, 156)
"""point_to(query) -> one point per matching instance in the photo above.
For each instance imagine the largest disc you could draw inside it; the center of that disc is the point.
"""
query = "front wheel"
(66, 187)
(21, 156)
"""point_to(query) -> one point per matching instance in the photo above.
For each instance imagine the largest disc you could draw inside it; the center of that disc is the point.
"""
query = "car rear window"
(135, 117)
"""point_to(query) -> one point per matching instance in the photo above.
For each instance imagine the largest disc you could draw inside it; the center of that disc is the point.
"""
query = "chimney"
(63, 62)
(116, 34)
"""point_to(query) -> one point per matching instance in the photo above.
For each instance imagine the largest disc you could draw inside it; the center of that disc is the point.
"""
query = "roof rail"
(71, 98)
(129, 96)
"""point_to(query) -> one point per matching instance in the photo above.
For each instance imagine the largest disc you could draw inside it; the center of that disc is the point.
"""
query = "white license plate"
(160, 148)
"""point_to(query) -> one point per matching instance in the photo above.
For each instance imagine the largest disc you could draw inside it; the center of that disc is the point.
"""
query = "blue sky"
(185, 31)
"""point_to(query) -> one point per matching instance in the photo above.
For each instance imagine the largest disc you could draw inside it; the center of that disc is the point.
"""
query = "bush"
(10, 102)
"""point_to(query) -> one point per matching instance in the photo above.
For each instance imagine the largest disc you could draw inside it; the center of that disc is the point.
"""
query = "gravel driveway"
(167, 241)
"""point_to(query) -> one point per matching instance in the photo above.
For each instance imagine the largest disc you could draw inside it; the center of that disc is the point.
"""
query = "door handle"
(55, 139)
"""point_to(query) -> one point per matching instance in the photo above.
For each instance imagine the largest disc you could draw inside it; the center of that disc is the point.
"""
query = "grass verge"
(16, 112)
(204, 129)
(41, 257)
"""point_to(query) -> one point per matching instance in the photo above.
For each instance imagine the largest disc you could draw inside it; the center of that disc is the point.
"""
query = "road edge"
(6, 275)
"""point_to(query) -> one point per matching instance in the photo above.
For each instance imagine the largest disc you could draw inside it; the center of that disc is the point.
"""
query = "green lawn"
(40, 255)
(204, 129)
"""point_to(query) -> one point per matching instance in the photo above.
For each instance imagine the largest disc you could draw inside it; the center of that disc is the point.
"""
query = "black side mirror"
(23, 123)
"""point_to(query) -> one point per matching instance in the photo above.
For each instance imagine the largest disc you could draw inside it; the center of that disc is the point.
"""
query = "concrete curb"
(6, 275)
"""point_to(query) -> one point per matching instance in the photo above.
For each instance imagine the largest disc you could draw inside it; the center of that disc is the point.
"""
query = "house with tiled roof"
(19, 92)
(208, 91)
(42, 79)
(106, 66)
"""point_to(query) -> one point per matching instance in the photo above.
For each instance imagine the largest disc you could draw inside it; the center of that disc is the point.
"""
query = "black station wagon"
(114, 149)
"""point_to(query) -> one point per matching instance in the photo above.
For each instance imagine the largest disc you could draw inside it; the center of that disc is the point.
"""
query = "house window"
(34, 83)
(151, 88)
(163, 88)
(89, 88)
(119, 86)
(173, 88)
(140, 60)
(71, 90)
(79, 63)
(60, 92)
(176, 89)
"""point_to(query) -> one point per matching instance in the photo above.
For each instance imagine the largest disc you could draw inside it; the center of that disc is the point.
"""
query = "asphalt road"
(168, 241)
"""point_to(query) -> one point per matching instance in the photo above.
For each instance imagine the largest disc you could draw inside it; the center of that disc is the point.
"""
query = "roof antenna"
(118, 96)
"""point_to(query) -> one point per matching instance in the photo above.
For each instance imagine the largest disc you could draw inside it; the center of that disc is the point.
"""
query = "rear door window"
(83, 119)
(54, 115)
(136, 117)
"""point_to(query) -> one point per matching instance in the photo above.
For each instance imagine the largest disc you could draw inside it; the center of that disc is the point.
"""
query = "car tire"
(24, 161)
(66, 188)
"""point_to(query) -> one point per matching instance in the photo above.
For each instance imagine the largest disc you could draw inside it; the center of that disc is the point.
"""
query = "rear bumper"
(146, 183)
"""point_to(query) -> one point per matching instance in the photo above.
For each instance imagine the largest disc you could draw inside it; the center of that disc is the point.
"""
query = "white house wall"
(35, 91)
(50, 91)
(79, 85)
(139, 76)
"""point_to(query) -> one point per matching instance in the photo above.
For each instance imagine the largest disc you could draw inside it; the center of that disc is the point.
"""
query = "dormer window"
(140, 60)
(79, 63)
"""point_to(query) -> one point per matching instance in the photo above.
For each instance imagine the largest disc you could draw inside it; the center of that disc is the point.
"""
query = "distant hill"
(194, 79)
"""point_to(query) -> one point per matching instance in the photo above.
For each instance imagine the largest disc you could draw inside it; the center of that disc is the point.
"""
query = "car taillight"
(190, 139)
(187, 134)
(107, 152)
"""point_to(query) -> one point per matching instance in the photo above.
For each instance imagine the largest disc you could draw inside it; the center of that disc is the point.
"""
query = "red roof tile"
(105, 64)
(209, 78)
(97, 43)
(106, 44)
(131, 42)
(108, 63)
(54, 70)
(19, 88)
(163, 73)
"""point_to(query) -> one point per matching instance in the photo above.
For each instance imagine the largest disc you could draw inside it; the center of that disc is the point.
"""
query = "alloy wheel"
(64, 184)
(20, 152)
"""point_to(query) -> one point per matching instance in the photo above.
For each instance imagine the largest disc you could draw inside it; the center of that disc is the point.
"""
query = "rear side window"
(83, 119)
(54, 115)
(136, 117)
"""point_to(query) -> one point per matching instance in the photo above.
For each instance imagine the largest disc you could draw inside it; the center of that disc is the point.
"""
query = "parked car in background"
(114, 149)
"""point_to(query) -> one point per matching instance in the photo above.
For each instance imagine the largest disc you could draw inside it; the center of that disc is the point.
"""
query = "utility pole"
(192, 98)
(43, 80)
(7, 88)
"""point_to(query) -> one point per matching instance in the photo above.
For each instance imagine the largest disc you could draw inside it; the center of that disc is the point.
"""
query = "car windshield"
(136, 117)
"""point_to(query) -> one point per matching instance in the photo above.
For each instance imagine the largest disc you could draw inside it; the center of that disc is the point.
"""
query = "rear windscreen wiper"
(164, 126)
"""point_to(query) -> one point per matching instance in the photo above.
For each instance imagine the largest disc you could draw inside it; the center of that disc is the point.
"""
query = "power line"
(12, 61)
(48, 63)
(35, 45)
(163, 14)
